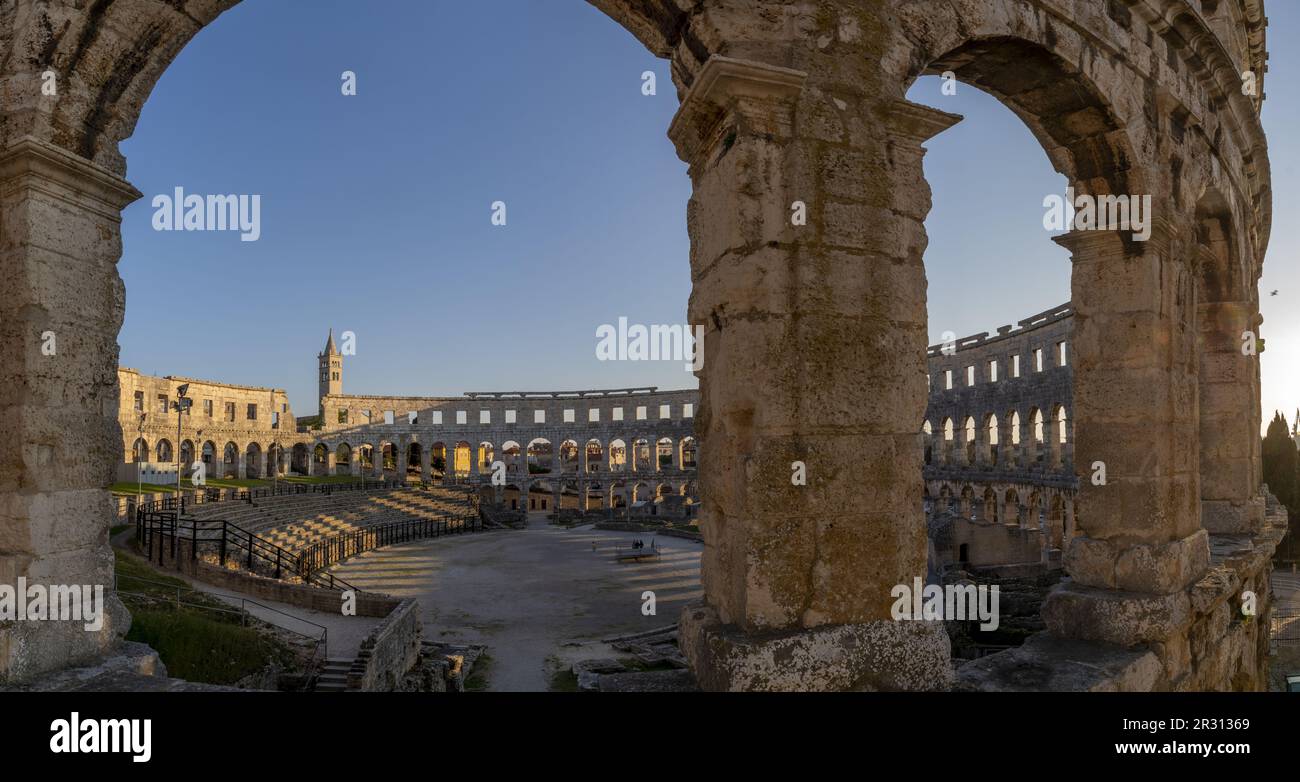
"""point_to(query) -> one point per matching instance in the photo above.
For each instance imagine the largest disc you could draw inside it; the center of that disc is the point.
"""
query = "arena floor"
(530, 595)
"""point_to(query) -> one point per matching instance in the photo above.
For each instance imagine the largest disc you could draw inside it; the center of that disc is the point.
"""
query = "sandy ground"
(532, 596)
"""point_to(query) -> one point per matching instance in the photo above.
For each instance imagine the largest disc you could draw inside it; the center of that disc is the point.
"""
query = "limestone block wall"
(389, 652)
(262, 418)
(1022, 372)
(480, 424)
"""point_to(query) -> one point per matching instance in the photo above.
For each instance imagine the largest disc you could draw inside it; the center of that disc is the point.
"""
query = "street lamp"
(275, 465)
(139, 485)
(181, 405)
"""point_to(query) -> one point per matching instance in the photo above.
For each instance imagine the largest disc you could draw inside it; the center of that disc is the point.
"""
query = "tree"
(1281, 472)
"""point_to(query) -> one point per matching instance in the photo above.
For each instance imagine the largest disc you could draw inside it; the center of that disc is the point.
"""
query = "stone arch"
(163, 451)
(1034, 509)
(229, 461)
(594, 453)
(343, 459)
(541, 456)
(945, 456)
(487, 454)
(1092, 115)
(990, 506)
(275, 459)
(967, 500)
(413, 463)
(741, 114)
(300, 460)
(567, 457)
(927, 438)
(252, 460)
(665, 454)
(991, 438)
(187, 453)
(1037, 437)
(461, 458)
(618, 455)
(1015, 449)
(1059, 437)
(641, 455)
(140, 450)
(1056, 522)
(515, 457)
(687, 452)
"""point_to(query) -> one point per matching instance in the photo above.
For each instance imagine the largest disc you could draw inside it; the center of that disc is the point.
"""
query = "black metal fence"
(325, 553)
(205, 496)
(164, 533)
(1284, 625)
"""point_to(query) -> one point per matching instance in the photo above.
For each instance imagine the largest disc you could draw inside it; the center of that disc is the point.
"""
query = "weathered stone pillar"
(815, 352)
(426, 464)
(60, 241)
(1140, 544)
(1229, 422)
(449, 464)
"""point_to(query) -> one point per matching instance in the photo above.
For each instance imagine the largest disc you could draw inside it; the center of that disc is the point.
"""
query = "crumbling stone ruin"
(815, 342)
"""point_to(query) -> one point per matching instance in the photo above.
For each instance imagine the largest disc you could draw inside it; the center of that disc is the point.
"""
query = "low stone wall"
(389, 652)
(262, 588)
(1191, 641)
(649, 529)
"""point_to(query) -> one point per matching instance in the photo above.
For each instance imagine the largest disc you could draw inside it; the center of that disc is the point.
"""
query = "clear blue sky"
(376, 208)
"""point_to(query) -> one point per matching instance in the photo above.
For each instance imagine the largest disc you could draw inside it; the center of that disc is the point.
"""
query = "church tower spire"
(330, 362)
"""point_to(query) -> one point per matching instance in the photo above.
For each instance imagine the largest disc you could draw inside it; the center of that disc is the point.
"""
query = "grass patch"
(237, 483)
(197, 648)
(321, 479)
(146, 587)
(198, 637)
(112, 531)
(478, 678)
(131, 489)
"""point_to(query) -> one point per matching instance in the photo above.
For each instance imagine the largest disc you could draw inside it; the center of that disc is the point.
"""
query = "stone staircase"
(334, 675)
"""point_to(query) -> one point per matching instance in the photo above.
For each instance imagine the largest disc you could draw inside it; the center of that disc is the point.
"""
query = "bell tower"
(331, 370)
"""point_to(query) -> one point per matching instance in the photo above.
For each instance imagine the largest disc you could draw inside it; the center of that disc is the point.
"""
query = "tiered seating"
(295, 522)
